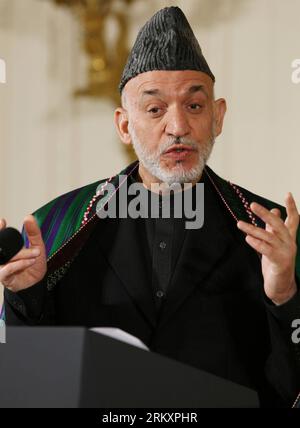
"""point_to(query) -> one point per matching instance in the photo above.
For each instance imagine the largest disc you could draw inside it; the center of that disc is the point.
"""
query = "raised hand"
(28, 266)
(277, 244)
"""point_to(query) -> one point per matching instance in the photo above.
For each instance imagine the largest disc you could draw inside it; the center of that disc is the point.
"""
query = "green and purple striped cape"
(64, 234)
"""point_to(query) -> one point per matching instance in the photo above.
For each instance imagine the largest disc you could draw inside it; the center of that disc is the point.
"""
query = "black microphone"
(11, 242)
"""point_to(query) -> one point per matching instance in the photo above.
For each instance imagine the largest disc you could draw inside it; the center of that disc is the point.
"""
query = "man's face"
(171, 122)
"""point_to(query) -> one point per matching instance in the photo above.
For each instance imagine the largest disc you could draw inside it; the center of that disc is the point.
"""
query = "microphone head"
(11, 242)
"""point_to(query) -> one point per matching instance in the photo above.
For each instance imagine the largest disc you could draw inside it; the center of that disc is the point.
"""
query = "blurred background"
(64, 59)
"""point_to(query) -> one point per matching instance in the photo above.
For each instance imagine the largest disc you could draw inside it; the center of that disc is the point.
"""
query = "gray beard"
(178, 174)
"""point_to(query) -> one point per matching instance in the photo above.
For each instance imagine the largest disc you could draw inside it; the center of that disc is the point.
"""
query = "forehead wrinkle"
(187, 92)
(157, 87)
(151, 92)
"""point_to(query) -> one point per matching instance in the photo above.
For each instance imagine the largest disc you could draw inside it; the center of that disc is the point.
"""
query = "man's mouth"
(179, 151)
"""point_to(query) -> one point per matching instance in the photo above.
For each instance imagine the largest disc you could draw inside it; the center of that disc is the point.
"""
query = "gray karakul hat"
(165, 42)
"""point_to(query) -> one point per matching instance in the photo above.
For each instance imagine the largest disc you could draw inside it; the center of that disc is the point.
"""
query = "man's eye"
(154, 110)
(195, 106)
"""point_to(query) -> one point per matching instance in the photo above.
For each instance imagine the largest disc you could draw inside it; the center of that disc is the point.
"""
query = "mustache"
(178, 140)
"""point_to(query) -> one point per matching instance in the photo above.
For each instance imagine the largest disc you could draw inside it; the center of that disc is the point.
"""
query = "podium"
(75, 367)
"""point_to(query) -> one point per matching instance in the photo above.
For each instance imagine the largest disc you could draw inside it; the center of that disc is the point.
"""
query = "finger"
(33, 231)
(259, 233)
(260, 246)
(12, 268)
(292, 220)
(271, 220)
(2, 223)
(276, 212)
(26, 254)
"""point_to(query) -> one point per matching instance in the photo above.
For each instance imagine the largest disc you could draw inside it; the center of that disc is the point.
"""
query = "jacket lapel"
(202, 251)
(122, 242)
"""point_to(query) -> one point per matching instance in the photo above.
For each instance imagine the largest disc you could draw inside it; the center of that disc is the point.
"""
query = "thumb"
(33, 231)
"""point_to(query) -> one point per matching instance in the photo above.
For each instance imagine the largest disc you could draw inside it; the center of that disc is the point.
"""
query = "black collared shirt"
(165, 236)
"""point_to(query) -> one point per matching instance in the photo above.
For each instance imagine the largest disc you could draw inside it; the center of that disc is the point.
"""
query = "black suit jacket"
(215, 317)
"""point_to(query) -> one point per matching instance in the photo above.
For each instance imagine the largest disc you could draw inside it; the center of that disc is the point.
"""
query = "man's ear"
(121, 123)
(219, 113)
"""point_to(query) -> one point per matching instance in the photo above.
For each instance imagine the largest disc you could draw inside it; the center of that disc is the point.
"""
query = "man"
(221, 297)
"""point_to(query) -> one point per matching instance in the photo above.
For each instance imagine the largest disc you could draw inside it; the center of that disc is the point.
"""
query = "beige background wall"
(50, 143)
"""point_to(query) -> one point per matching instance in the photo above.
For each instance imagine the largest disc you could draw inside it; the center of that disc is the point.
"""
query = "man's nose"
(177, 123)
